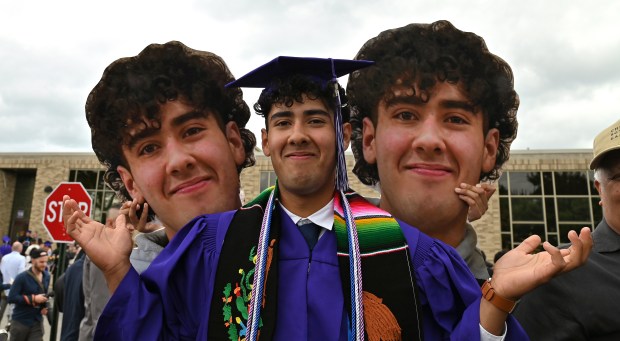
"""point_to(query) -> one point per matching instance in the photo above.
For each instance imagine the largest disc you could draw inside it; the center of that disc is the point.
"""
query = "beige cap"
(605, 142)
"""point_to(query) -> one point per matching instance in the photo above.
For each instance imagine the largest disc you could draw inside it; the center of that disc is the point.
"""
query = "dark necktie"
(310, 231)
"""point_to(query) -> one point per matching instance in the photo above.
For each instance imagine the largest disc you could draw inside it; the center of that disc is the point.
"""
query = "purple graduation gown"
(171, 299)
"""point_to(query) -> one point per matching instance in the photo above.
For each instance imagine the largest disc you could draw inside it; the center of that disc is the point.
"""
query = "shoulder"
(22, 276)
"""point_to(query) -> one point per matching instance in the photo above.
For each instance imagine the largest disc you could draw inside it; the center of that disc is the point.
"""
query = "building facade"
(542, 192)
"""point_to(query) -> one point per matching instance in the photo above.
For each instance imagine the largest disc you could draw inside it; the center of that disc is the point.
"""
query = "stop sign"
(52, 213)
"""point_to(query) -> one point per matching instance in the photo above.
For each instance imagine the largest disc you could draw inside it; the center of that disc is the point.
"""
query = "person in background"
(47, 247)
(5, 248)
(11, 265)
(26, 240)
(29, 294)
(583, 304)
(73, 299)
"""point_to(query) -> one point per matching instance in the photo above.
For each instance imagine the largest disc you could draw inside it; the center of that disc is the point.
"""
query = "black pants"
(21, 332)
(3, 304)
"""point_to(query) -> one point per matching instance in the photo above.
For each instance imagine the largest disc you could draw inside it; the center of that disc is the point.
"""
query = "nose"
(299, 135)
(429, 137)
(180, 158)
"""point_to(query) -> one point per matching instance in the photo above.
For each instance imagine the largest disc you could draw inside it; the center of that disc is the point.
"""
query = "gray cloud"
(564, 58)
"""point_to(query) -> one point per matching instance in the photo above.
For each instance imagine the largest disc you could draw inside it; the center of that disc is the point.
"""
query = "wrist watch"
(501, 303)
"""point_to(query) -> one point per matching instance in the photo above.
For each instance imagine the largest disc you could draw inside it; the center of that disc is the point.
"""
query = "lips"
(191, 185)
(299, 154)
(429, 169)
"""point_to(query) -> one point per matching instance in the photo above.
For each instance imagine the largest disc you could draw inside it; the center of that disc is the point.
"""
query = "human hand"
(108, 247)
(39, 299)
(519, 272)
(476, 197)
(130, 209)
(44, 311)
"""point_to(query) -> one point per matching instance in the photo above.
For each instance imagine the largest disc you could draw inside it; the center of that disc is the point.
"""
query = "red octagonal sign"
(52, 214)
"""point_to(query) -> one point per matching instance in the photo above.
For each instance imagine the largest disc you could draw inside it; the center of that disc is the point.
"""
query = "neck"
(170, 232)
(450, 229)
(450, 236)
(35, 271)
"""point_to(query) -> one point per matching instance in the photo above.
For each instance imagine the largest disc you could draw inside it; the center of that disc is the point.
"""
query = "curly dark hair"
(133, 89)
(291, 89)
(422, 55)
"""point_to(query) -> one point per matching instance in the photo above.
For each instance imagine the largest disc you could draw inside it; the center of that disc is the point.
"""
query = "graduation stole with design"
(382, 278)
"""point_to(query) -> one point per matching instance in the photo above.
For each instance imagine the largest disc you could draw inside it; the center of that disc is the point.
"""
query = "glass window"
(571, 183)
(522, 231)
(100, 182)
(548, 183)
(506, 241)
(267, 179)
(573, 209)
(565, 228)
(504, 214)
(553, 239)
(527, 209)
(525, 183)
(502, 183)
(550, 211)
(88, 178)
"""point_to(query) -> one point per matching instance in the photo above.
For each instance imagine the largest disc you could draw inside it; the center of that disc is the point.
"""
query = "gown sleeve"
(449, 293)
(171, 298)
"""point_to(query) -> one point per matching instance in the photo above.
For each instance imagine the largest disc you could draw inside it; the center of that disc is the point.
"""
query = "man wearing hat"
(5, 249)
(29, 294)
(583, 304)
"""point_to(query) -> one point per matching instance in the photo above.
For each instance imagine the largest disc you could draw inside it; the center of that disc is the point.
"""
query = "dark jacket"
(24, 286)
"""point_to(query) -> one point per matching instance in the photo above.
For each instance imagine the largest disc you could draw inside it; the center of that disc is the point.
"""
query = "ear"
(597, 184)
(233, 135)
(491, 144)
(130, 184)
(368, 141)
(265, 141)
(346, 134)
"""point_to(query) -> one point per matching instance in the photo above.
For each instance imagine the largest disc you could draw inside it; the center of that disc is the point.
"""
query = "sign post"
(52, 214)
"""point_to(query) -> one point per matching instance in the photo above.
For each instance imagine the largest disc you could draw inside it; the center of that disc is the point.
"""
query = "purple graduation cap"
(323, 70)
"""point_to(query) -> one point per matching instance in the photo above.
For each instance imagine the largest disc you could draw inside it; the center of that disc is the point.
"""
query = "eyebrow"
(176, 122)
(288, 113)
(446, 104)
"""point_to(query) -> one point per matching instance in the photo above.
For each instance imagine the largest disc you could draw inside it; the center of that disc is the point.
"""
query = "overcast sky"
(565, 54)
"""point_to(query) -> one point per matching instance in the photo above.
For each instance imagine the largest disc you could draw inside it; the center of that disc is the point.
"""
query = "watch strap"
(500, 302)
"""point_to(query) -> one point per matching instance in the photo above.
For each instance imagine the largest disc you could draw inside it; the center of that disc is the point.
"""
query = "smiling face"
(423, 150)
(185, 165)
(301, 142)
